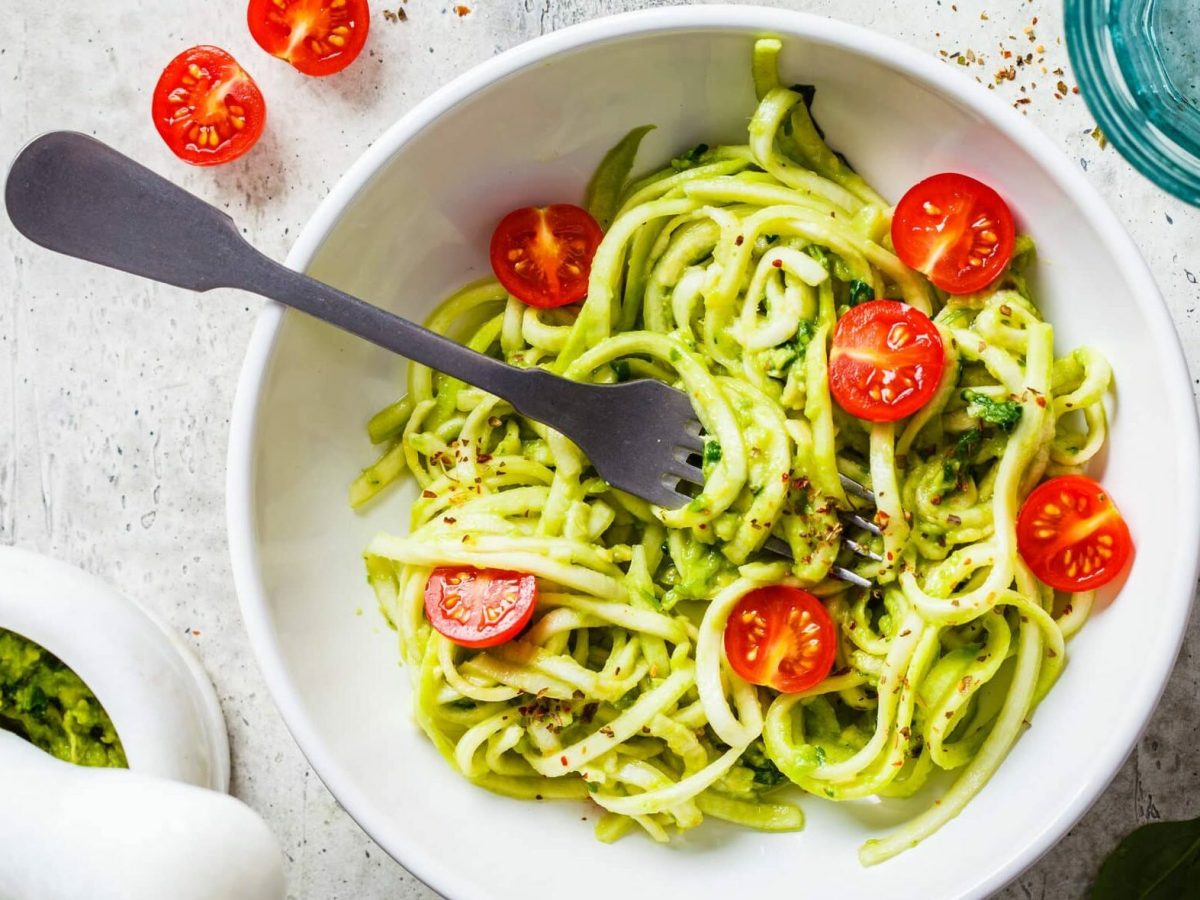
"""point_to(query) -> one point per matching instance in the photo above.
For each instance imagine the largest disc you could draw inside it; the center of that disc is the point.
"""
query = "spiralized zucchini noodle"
(723, 274)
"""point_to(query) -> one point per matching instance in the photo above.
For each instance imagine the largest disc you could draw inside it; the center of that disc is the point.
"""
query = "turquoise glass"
(1138, 65)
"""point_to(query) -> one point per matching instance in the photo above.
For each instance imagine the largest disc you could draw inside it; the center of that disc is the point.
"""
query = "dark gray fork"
(71, 193)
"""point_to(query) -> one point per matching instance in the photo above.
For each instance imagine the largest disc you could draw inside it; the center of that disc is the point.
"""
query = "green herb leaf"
(766, 773)
(1003, 413)
(604, 190)
(712, 453)
(38, 702)
(860, 292)
(960, 457)
(1160, 861)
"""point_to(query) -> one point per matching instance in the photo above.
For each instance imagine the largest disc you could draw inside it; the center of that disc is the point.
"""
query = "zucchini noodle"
(724, 273)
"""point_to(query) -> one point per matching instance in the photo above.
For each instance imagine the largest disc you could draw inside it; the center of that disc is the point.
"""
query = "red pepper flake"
(563, 759)
(428, 494)
(461, 11)
(777, 263)
(739, 240)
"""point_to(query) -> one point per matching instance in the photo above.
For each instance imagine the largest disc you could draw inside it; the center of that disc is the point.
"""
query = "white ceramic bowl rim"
(886, 51)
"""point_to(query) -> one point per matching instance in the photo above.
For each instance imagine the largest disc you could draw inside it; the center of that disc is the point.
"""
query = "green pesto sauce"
(49, 705)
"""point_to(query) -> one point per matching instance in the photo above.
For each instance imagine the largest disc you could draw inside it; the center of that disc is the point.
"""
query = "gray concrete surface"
(115, 394)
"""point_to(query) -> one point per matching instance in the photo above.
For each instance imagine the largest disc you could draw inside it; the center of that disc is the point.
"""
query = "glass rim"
(1172, 164)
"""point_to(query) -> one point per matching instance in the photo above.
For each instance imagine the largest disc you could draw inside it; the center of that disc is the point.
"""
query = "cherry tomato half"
(207, 108)
(886, 360)
(780, 637)
(956, 230)
(1071, 534)
(479, 607)
(543, 255)
(318, 37)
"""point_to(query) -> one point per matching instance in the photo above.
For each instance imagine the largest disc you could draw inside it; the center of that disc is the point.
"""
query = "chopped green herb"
(766, 773)
(1005, 414)
(38, 702)
(960, 457)
(819, 253)
(712, 452)
(860, 292)
(690, 159)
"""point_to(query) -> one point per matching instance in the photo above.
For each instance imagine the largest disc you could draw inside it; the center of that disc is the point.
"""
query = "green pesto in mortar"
(49, 705)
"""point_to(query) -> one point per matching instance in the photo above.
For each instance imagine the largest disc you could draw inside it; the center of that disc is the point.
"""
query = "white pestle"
(68, 832)
(162, 828)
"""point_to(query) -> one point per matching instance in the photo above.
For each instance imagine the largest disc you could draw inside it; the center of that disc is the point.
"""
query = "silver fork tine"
(850, 486)
(858, 521)
(861, 549)
(778, 545)
(691, 437)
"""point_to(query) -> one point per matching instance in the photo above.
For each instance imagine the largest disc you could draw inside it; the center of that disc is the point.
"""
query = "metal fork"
(71, 193)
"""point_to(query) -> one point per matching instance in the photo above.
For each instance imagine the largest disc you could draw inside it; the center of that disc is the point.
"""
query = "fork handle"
(73, 194)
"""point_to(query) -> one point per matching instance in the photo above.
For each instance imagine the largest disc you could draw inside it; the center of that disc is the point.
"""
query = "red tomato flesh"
(479, 607)
(1071, 534)
(207, 108)
(543, 255)
(886, 360)
(780, 637)
(954, 229)
(318, 37)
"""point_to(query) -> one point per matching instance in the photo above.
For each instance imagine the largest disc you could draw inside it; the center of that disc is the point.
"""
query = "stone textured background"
(115, 393)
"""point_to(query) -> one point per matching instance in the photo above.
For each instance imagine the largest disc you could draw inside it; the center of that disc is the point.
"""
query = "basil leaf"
(604, 191)
(1160, 861)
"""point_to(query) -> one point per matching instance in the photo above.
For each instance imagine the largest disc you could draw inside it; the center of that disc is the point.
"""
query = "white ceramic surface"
(411, 220)
(158, 696)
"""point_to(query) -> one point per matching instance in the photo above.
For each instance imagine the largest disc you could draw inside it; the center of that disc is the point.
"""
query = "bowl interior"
(420, 227)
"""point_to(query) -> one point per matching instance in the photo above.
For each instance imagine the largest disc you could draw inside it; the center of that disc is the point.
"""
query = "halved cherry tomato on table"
(1071, 534)
(543, 255)
(318, 37)
(780, 637)
(885, 361)
(207, 108)
(479, 607)
(956, 230)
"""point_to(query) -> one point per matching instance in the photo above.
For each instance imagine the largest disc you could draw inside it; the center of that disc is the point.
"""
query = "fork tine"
(686, 471)
(861, 549)
(779, 546)
(858, 521)
(850, 577)
(850, 486)
(690, 437)
(664, 496)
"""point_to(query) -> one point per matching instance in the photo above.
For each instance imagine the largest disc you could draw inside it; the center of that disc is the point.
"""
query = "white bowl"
(411, 221)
